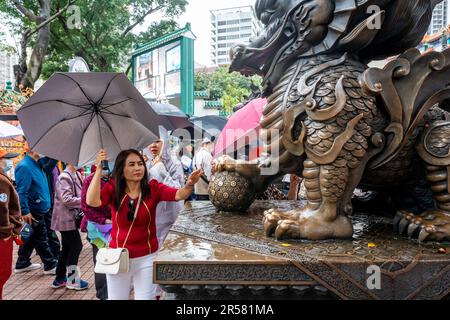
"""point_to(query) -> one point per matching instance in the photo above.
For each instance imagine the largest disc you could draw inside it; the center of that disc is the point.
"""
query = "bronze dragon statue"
(344, 125)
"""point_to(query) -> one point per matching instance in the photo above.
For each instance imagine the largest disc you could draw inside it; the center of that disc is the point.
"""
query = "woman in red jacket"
(133, 202)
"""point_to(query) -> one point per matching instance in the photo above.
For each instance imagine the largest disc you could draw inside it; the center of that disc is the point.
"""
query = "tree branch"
(64, 44)
(50, 19)
(139, 20)
(26, 12)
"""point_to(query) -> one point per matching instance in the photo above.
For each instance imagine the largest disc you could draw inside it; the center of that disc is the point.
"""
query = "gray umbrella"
(73, 115)
(207, 126)
(170, 116)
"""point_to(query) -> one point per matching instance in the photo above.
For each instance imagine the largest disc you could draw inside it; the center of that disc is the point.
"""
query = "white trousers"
(140, 276)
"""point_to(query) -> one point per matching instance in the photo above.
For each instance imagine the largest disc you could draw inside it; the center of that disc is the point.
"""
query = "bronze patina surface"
(214, 254)
(341, 125)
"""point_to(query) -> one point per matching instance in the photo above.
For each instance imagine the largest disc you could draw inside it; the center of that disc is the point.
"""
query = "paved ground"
(36, 286)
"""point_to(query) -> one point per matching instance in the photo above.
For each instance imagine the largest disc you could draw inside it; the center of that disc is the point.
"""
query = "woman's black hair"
(119, 178)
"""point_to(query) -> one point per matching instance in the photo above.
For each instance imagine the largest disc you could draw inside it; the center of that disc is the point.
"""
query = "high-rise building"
(231, 26)
(7, 61)
(440, 18)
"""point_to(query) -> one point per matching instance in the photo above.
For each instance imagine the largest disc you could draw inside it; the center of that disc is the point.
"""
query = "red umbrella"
(243, 126)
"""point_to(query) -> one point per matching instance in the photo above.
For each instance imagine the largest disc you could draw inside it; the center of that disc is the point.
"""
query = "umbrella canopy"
(170, 116)
(7, 130)
(73, 115)
(244, 123)
(207, 126)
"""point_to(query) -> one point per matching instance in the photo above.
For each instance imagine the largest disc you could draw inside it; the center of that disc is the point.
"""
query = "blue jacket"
(32, 187)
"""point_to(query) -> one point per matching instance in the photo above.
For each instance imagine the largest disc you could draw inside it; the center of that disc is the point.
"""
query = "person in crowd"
(67, 206)
(35, 204)
(168, 170)
(294, 187)
(97, 223)
(50, 167)
(203, 161)
(186, 155)
(10, 222)
(133, 201)
(5, 161)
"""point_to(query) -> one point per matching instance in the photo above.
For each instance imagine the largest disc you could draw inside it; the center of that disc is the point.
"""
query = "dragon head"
(291, 28)
(302, 28)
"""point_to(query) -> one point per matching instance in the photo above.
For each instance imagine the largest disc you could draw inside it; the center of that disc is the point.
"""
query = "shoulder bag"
(115, 261)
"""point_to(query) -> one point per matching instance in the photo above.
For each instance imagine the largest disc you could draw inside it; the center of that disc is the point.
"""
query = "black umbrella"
(170, 116)
(207, 126)
(73, 115)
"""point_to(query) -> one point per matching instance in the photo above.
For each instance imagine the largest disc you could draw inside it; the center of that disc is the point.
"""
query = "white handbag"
(112, 261)
(115, 261)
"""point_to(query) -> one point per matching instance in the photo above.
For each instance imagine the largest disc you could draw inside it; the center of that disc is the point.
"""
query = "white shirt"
(202, 160)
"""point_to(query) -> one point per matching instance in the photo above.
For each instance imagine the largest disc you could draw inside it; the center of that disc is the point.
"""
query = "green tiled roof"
(201, 94)
(159, 42)
(224, 113)
(213, 104)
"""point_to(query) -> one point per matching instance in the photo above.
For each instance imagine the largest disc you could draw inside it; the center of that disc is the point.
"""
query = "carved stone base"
(211, 255)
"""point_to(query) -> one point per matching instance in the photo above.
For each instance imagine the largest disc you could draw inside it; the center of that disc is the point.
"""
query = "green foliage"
(101, 40)
(231, 88)
(156, 30)
(13, 19)
(104, 38)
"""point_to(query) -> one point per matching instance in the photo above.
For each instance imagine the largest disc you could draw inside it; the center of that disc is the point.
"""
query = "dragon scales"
(343, 125)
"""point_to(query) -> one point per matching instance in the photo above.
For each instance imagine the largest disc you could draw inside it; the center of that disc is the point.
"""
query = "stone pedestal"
(212, 255)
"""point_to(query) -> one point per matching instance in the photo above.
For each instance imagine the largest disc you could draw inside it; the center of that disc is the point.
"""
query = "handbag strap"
(134, 219)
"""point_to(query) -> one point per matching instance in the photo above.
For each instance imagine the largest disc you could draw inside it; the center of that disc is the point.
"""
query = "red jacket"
(142, 240)
(97, 215)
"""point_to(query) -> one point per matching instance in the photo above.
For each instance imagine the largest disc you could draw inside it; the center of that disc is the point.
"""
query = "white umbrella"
(7, 130)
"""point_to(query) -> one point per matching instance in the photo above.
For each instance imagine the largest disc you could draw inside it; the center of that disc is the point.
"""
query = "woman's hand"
(186, 191)
(108, 221)
(101, 156)
(93, 194)
(194, 177)
(28, 218)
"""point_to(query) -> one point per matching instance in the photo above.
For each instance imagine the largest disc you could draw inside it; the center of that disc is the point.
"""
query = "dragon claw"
(397, 218)
(422, 227)
(287, 229)
(412, 229)
(270, 221)
(423, 235)
(403, 225)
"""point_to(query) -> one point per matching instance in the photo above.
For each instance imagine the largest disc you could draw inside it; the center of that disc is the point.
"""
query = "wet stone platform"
(214, 255)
